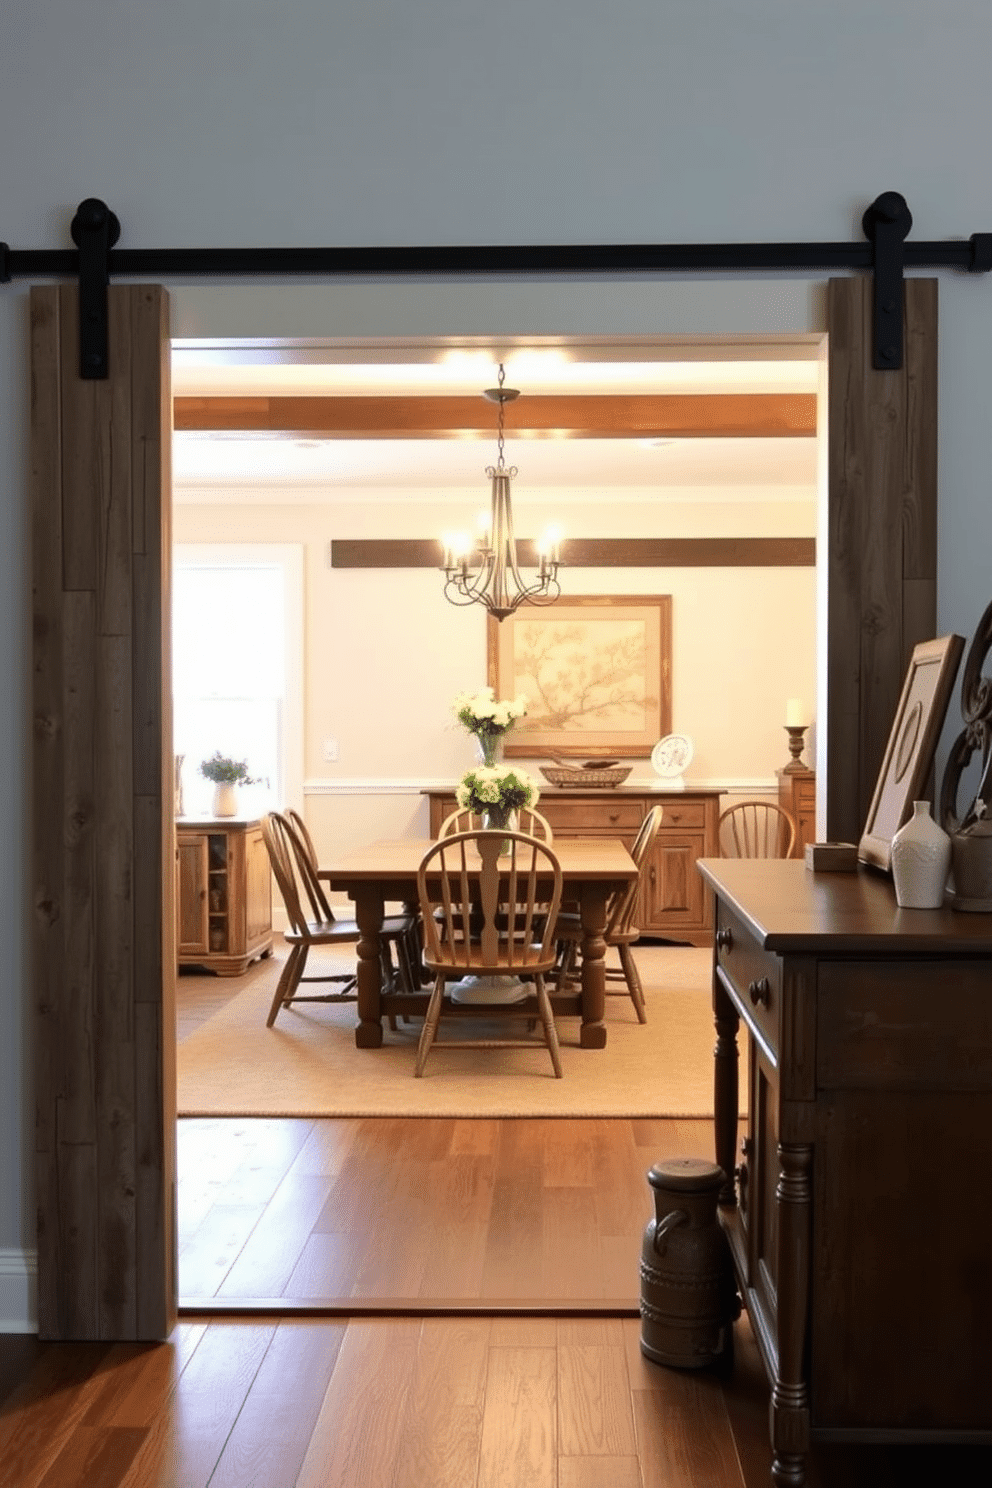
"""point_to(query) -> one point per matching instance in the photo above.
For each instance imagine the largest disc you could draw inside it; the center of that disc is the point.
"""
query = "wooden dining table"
(592, 869)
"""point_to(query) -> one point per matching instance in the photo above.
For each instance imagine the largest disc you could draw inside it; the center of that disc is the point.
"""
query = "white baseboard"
(18, 1291)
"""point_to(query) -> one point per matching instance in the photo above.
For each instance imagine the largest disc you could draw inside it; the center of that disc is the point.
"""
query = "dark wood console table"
(859, 1212)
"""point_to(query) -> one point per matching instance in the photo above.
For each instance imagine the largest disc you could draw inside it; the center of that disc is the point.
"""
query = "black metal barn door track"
(886, 252)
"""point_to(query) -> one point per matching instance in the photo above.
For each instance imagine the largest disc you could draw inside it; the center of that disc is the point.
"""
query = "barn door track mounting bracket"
(886, 253)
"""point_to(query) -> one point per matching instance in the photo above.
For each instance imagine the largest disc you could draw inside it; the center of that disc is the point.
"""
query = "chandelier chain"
(500, 417)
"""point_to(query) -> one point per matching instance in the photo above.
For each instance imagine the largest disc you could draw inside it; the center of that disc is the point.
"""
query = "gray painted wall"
(234, 121)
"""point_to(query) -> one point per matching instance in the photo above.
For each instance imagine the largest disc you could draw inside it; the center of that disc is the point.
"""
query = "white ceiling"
(315, 467)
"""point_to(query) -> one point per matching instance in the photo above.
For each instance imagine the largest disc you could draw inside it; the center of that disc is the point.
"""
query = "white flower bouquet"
(488, 718)
(495, 791)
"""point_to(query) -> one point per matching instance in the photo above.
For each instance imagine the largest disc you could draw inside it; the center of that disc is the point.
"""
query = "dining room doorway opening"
(313, 488)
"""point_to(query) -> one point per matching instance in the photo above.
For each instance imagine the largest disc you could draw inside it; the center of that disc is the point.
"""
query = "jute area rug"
(307, 1064)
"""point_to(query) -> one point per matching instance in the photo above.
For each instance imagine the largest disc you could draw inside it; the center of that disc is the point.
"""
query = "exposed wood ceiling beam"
(573, 416)
(584, 552)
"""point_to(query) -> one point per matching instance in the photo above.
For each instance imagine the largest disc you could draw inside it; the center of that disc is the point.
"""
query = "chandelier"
(486, 573)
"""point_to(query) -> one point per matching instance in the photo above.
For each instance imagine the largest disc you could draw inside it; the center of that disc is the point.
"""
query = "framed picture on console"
(913, 739)
(597, 671)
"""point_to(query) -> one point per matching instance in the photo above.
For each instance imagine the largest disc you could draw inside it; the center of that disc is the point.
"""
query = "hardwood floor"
(408, 1403)
(412, 1401)
(391, 1211)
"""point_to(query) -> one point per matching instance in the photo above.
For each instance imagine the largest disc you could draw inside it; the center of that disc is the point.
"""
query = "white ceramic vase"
(921, 860)
(225, 799)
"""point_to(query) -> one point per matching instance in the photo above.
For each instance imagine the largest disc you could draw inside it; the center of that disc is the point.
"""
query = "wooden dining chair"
(528, 820)
(312, 922)
(621, 930)
(484, 915)
(407, 948)
(756, 829)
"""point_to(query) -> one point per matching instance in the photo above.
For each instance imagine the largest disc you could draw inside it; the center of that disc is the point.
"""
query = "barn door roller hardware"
(886, 253)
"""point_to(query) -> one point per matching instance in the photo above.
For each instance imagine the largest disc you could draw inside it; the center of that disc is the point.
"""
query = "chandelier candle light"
(487, 572)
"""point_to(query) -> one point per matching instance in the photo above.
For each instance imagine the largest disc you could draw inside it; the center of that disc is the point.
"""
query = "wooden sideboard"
(674, 902)
(797, 794)
(223, 894)
(858, 1210)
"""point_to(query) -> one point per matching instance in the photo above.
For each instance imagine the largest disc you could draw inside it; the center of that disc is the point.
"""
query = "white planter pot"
(225, 799)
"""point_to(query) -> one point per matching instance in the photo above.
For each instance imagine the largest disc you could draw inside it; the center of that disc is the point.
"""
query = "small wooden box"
(832, 857)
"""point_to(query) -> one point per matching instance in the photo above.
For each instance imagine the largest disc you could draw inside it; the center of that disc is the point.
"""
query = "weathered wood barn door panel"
(103, 876)
(882, 563)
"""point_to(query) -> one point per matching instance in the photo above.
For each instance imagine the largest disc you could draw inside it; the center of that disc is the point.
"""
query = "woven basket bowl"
(562, 775)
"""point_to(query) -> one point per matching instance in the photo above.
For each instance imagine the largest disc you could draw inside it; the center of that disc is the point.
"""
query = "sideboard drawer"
(579, 819)
(805, 798)
(755, 975)
(680, 814)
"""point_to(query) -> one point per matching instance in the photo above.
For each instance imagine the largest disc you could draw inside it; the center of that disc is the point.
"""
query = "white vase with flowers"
(226, 774)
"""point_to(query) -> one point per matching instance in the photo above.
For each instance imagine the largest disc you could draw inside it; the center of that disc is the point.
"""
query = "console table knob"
(758, 992)
(724, 939)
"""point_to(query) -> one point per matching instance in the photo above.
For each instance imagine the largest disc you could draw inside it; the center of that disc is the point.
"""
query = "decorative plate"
(671, 755)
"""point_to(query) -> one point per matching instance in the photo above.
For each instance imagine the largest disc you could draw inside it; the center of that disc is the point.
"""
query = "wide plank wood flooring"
(408, 1403)
(419, 1210)
(367, 1212)
(390, 1212)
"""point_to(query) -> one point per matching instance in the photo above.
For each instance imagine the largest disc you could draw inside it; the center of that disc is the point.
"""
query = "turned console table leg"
(789, 1411)
(725, 1093)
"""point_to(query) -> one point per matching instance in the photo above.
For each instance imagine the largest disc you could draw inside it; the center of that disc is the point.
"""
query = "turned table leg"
(593, 909)
(369, 909)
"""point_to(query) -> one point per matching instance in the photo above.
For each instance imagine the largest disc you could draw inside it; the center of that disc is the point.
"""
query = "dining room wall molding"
(369, 785)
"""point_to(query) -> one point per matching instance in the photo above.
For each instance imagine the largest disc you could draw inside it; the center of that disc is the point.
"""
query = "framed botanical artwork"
(912, 742)
(597, 671)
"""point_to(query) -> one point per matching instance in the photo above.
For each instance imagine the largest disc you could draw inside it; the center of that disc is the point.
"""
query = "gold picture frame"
(912, 742)
(597, 671)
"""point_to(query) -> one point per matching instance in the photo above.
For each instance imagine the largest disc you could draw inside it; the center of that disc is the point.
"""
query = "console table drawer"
(882, 1025)
(580, 820)
(754, 974)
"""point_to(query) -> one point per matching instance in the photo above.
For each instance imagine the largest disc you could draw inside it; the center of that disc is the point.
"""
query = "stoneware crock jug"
(688, 1292)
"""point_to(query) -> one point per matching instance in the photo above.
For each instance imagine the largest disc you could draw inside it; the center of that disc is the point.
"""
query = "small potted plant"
(488, 719)
(226, 775)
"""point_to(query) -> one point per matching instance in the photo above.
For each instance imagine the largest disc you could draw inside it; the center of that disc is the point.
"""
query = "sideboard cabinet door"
(192, 925)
